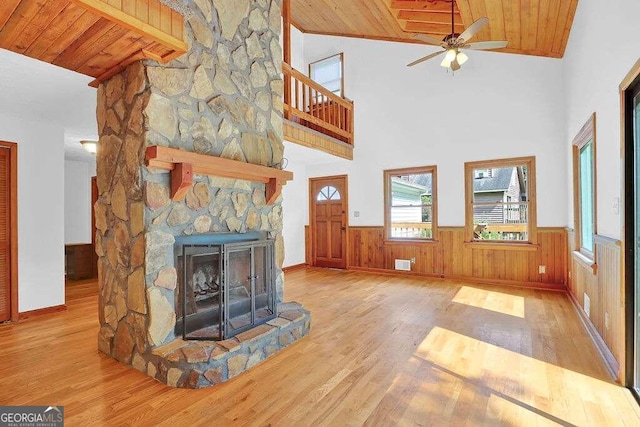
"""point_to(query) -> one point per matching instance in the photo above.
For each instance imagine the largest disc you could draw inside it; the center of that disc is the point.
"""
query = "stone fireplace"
(221, 100)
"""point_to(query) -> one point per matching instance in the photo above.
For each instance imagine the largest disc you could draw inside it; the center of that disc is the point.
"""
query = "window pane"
(328, 192)
(328, 73)
(586, 196)
(411, 206)
(500, 208)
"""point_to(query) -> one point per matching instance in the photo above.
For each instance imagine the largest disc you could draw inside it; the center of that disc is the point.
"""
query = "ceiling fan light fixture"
(462, 58)
(451, 55)
(445, 63)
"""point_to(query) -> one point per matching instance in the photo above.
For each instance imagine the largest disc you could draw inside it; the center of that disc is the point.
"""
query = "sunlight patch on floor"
(516, 386)
(499, 302)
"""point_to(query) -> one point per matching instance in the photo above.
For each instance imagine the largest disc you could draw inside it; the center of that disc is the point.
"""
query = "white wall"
(77, 201)
(297, 50)
(295, 208)
(497, 106)
(603, 46)
(40, 211)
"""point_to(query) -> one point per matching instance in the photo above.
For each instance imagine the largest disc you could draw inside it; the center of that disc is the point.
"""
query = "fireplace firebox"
(226, 285)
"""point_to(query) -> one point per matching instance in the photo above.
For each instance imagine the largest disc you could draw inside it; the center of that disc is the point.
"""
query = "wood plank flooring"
(383, 350)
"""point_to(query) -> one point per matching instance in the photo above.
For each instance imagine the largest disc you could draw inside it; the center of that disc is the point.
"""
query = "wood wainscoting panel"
(604, 287)
(366, 247)
(449, 256)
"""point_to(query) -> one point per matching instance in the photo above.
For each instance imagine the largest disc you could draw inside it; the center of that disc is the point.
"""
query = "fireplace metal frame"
(224, 250)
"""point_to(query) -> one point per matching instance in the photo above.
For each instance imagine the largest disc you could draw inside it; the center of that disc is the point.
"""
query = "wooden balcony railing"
(313, 106)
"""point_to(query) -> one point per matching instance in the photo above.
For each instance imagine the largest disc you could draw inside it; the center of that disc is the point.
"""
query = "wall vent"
(403, 264)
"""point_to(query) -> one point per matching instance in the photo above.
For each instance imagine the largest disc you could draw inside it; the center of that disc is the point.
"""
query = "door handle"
(343, 228)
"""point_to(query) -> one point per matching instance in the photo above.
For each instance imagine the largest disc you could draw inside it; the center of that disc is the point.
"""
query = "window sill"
(501, 246)
(400, 240)
(586, 262)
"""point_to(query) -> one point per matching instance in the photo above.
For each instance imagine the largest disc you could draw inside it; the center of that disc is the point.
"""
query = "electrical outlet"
(413, 260)
(542, 269)
(356, 214)
(606, 320)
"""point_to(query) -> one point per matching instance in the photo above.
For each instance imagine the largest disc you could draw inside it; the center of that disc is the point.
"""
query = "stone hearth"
(222, 98)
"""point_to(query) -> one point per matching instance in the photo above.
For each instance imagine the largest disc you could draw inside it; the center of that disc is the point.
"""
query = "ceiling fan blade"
(418, 61)
(486, 45)
(428, 39)
(473, 29)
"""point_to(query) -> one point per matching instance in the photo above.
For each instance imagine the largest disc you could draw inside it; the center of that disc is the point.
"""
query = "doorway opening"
(630, 93)
(328, 207)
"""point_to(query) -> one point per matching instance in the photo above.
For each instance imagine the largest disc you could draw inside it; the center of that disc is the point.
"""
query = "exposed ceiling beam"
(423, 27)
(431, 6)
(428, 17)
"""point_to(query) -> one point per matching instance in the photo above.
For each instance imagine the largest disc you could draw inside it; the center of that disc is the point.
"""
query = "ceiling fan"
(454, 43)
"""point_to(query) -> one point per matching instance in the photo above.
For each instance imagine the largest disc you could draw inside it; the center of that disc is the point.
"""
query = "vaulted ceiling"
(532, 27)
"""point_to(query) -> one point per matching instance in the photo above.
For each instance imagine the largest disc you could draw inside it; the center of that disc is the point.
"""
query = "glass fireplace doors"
(227, 288)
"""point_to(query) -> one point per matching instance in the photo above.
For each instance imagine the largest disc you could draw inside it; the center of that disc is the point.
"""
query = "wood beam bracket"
(181, 180)
(184, 164)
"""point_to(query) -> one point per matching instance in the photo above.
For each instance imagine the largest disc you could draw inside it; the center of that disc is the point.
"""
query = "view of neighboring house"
(410, 210)
(497, 197)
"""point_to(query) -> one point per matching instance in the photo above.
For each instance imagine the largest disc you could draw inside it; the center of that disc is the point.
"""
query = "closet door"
(5, 235)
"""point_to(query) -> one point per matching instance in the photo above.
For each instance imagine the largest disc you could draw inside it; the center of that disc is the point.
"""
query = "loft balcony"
(316, 117)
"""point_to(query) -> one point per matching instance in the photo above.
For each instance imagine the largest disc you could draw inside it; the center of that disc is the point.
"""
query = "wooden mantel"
(183, 164)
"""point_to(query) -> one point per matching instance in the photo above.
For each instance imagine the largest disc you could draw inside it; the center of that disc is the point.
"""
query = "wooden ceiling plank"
(55, 29)
(567, 27)
(511, 15)
(92, 47)
(38, 25)
(113, 54)
(495, 13)
(88, 37)
(479, 10)
(551, 26)
(431, 6)
(75, 30)
(465, 12)
(563, 16)
(162, 34)
(7, 8)
(19, 20)
(529, 24)
(142, 10)
(543, 23)
(423, 27)
(429, 17)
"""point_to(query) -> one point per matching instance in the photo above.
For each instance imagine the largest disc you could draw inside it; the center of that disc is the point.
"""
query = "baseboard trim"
(466, 279)
(294, 267)
(41, 311)
(610, 362)
(393, 272)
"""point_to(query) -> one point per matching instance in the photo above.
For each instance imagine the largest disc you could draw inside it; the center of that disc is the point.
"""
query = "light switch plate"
(616, 205)
(356, 214)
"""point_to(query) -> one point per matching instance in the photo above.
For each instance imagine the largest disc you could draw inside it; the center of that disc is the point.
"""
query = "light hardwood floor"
(383, 350)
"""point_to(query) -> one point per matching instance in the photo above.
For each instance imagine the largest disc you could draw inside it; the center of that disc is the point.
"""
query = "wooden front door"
(6, 294)
(328, 212)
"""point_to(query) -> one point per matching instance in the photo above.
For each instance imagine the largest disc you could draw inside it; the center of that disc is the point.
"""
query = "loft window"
(329, 72)
(584, 184)
(410, 201)
(500, 200)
